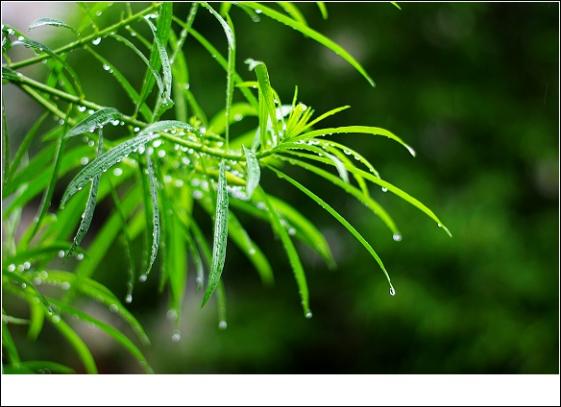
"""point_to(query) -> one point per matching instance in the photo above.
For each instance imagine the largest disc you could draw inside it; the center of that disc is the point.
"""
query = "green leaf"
(341, 220)
(46, 21)
(309, 32)
(375, 131)
(220, 239)
(109, 330)
(253, 172)
(291, 252)
(267, 104)
(374, 206)
(227, 26)
(109, 159)
(292, 11)
(161, 38)
(166, 68)
(87, 215)
(97, 292)
(322, 9)
(155, 241)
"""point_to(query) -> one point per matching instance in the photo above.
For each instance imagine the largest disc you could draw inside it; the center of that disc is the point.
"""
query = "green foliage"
(161, 169)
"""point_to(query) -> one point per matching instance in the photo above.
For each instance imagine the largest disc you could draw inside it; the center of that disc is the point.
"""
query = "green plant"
(167, 159)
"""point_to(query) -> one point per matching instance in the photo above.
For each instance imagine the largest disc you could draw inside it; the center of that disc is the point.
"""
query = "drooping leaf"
(309, 32)
(253, 171)
(291, 252)
(87, 215)
(46, 21)
(339, 218)
(155, 238)
(220, 239)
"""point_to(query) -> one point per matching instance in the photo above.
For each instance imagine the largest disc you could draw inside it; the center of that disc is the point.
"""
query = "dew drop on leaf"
(96, 41)
(392, 291)
(222, 325)
(12, 268)
(397, 237)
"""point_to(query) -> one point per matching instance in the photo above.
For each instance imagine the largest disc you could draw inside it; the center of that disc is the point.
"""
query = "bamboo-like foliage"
(157, 171)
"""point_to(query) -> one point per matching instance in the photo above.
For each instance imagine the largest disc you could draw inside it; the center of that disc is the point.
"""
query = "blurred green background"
(474, 88)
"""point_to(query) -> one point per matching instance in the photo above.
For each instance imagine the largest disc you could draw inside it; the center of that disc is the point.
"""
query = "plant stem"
(28, 85)
(86, 39)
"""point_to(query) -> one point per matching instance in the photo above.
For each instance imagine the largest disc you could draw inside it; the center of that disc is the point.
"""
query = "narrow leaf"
(309, 32)
(46, 21)
(253, 172)
(220, 239)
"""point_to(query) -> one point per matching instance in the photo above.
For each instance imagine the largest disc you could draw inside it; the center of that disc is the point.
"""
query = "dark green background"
(474, 88)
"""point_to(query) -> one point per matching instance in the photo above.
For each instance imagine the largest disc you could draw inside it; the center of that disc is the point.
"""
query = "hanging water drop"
(136, 129)
(309, 315)
(106, 67)
(251, 251)
(26, 265)
(176, 337)
(80, 256)
(143, 278)
(96, 41)
(81, 108)
(117, 172)
(392, 291)
(12, 268)
(61, 254)
(222, 325)
(384, 189)
(128, 299)
(397, 237)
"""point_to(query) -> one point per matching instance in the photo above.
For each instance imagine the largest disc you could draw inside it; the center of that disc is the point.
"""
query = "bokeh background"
(474, 88)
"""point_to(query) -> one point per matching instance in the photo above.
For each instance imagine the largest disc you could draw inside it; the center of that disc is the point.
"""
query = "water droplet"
(96, 41)
(12, 268)
(27, 265)
(61, 254)
(99, 12)
(143, 278)
(150, 151)
(222, 325)
(309, 315)
(197, 194)
(115, 122)
(81, 108)
(179, 183)
(90, 111)
(291, 231)
(80, 256)
(128, 299)
(23, 285)
(117, 172)
(114, 308)
(392, 291)
(251, 251)
(397, 237)
(84, 160)
(258, 11)
(91, 143)
(65, 285)
(136, 129)
(440, 225)
(176, 337)
(21, 38)
(384, 189)
(157, 143)
(238, 117)
(106, 67)
(171, 314)
(141, 150)
(161, 153)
